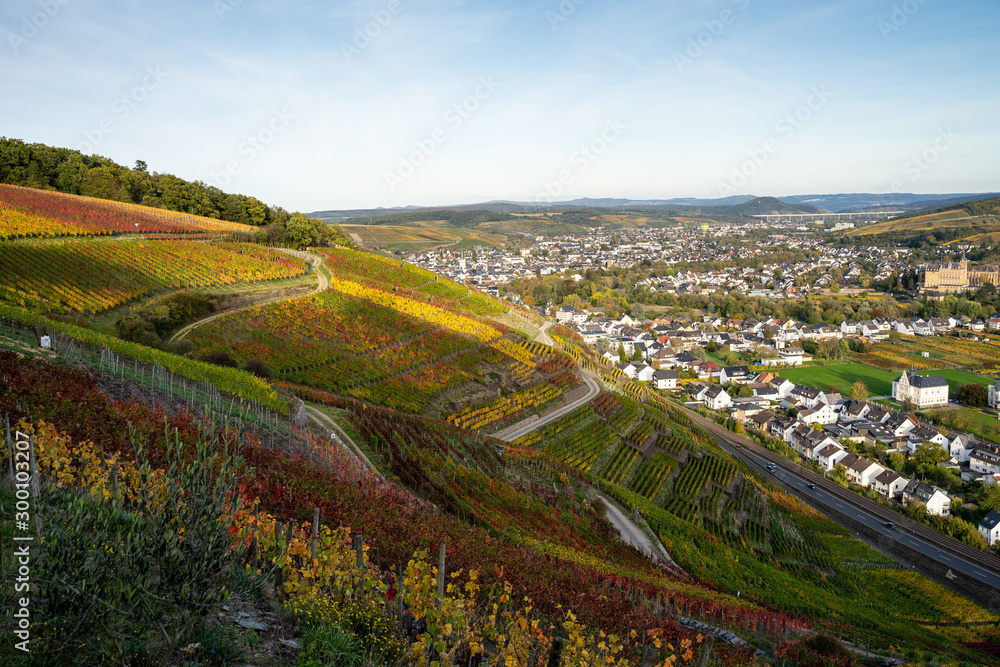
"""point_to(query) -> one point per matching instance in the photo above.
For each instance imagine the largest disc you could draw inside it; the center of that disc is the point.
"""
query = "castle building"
(956, 276)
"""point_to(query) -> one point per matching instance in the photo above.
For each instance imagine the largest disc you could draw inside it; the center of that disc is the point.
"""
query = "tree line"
(70, 171)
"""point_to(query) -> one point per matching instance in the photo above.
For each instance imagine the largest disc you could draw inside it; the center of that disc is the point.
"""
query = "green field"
(956, 377)
(842, 377)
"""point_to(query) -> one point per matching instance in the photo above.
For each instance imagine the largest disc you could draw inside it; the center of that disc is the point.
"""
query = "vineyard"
(404, 278)
(506, 407)
(26, 212)
(95, 275)
(943, 352)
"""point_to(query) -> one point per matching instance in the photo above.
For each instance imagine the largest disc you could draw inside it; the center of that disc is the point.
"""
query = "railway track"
(944, 542)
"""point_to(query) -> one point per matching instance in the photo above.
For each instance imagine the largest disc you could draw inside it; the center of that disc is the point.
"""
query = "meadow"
(841, 377)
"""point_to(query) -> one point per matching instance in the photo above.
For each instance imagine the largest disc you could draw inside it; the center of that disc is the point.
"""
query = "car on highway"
(739, 446)
(811, 485)
(889, 525)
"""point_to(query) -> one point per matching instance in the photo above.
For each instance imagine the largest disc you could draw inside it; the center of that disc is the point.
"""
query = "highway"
(942, 548)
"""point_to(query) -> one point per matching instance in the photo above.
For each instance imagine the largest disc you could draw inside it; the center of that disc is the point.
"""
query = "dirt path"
(323, 284)
(325, 421)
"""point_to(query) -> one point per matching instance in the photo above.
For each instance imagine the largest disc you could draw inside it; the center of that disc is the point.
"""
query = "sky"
(361, 104)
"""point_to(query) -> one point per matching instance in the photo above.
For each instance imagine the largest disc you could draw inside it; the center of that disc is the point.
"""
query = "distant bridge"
(861, 215)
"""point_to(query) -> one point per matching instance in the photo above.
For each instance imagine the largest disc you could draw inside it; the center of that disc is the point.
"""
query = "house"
(860, 470)
(921, 391)
(716, 398)
(665, 379)
(961, 447)
(830, 456)
(743, 411)
(934, 499)
(852, 410)
(734, 374)
(900, 424)
(707, 369)
(565, 314)
(993, 394)
(985, 459)
(822, 414)
(849, 327)
(782, 427)
(890, 484)
(761, 421)
(629, 368)
(989, 527)
(807, 397)
(783, 386)
(644, 373)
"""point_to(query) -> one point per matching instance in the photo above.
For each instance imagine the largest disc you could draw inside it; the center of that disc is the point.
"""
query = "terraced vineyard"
(620, 464)
(386, 273)
(581, 449)
(92, 276)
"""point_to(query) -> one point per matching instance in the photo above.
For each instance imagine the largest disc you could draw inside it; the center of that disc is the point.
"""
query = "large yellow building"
(957, 276)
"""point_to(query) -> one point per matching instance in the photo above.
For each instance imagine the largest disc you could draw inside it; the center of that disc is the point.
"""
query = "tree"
(859, 391)
(839, 474)
(622, 354)
(895, 336)
(930, 453)
(973, 394)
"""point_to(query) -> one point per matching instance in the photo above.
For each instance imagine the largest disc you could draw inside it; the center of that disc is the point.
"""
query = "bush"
(258, 368)
(130, 582)
(221, 359)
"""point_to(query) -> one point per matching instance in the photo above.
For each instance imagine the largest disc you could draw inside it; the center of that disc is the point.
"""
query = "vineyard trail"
(593, 390)
(315, 261)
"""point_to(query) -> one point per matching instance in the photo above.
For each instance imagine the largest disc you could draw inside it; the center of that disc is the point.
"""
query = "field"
(26, 212)
(879, 382)
(928, 222)
(943, 351)
(957, 377)
(90, 276)
(412, 238)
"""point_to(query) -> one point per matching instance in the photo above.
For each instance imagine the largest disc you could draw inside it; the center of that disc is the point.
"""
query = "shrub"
(258, 368)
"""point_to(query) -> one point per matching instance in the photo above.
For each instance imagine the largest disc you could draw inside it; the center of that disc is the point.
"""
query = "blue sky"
(456, 102)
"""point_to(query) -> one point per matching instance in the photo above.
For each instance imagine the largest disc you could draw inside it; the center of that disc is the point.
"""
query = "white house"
(821, 414)
(830, 456)
(717, 399)
(860, 470)
(985, 460)
(989, 527)
(665, 379)
(806, 396)
(993, 394)
(644, 373)
(937, 501)
(961, 447)
(921, 391)
(890, 484)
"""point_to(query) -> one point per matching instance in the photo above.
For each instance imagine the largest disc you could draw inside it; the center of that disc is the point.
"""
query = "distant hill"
(836, 203)
(973, 221)
(768, 205)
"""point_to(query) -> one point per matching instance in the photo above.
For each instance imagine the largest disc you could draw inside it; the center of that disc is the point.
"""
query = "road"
(592, 390)
(543, 337)
(314, 260)
(946, 550)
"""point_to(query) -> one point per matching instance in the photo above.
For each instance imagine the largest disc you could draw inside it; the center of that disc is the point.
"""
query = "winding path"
(315, 261)
(324, 419)
(592, 390)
